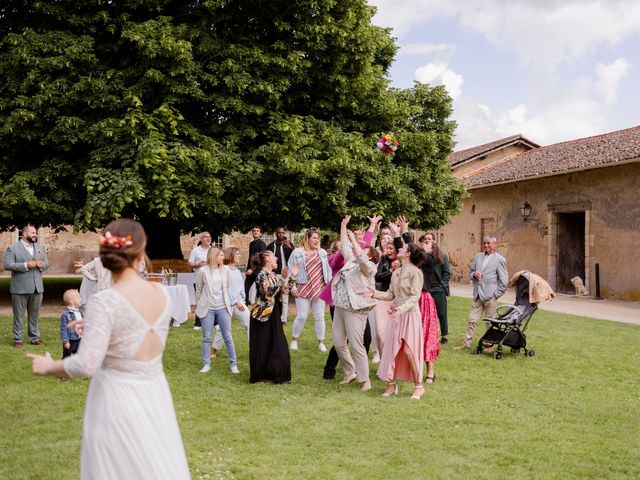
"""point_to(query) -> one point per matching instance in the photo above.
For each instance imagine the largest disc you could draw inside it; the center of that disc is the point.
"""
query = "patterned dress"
(268, 347)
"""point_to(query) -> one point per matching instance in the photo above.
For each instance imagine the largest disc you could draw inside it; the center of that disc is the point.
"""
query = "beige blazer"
(204, 282)
(405, 289)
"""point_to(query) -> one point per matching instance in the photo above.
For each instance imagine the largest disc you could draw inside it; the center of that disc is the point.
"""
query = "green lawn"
(572, 411)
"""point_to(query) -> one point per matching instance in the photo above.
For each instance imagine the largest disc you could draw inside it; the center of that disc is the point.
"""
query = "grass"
(569, 412)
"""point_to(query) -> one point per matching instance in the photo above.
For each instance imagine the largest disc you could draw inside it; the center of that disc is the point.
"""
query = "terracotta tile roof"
(575, 155)
(470, 153)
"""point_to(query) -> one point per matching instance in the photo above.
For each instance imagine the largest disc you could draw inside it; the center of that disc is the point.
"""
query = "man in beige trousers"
(489, 275)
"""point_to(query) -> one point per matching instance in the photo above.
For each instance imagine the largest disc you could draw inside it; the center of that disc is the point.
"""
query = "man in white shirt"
(26, 260)
(197, 259)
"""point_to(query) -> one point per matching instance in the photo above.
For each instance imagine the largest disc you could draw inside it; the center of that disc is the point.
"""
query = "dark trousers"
(248, 281)
(197, 322)
(440, 299)
(333, 359)
(72, 350)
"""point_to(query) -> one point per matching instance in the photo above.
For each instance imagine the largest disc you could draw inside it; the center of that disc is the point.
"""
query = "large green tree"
(214, 114)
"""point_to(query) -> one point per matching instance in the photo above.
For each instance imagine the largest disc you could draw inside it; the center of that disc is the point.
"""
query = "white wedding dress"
(130, 429)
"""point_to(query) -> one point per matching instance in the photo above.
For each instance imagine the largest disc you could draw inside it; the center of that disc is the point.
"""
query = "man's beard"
(33, 239)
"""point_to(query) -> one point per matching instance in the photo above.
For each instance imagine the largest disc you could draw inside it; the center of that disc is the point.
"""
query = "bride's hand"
(368, 293)
(41, 364)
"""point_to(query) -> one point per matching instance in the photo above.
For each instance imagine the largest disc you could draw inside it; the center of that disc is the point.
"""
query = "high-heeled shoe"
(366, 386)
(348, 379)
(388, 392)
(418, 393)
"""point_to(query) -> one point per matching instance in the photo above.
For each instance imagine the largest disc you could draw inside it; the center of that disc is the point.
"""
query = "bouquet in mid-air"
(387, 144)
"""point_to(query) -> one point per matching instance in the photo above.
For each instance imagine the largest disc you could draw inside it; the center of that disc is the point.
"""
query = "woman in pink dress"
(429, 312)
(403, 352)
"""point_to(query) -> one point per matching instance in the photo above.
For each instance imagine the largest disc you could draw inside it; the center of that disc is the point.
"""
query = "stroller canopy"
(538, 288)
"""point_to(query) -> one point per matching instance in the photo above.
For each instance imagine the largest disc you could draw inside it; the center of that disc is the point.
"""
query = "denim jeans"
(217, 317)
(242, 317)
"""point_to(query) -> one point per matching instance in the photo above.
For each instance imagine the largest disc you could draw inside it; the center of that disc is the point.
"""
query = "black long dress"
(269, 358)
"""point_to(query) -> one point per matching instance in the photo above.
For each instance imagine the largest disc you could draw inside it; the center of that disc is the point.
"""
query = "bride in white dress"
(130, 428)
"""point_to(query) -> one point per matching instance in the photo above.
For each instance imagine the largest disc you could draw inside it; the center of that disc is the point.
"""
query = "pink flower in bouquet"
(387, 144)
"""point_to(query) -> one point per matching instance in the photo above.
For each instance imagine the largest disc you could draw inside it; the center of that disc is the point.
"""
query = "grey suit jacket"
(23, 280)
(494, 276)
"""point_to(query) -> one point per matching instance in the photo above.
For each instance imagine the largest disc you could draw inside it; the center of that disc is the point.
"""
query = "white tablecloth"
(188, 279)
(182, 297)
(180, 306)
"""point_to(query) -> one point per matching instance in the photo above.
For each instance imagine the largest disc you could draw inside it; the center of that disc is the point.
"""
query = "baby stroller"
(507, 330)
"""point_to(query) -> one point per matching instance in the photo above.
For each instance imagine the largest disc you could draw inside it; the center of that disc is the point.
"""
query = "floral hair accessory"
(112, 241)
(387, 144)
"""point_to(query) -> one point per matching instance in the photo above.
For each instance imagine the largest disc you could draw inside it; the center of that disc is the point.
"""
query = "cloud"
(540, 33)
(609, 77)
(439, 73)
(427, 49)
(580, 110)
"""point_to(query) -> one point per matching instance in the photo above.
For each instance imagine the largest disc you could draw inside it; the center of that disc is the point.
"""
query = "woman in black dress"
(268, 347)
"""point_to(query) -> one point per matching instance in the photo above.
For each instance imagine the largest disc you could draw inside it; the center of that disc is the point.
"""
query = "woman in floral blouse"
(268, 349)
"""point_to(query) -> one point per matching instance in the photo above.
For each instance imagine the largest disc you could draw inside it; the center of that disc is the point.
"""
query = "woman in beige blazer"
(349, 289)
(403, 353)
(213, 306)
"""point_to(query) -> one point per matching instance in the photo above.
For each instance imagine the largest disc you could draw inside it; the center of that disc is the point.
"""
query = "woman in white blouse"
(236, 295)
(213, 306)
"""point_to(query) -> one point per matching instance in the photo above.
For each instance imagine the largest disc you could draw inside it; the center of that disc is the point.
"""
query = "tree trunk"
(163, 238)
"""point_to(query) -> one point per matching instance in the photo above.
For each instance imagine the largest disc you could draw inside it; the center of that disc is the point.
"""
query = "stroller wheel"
(515, 350)
(530, 353)
(497, 355)
(477, 350)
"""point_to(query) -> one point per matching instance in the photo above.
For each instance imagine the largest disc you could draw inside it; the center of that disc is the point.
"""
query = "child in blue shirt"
(70, 338)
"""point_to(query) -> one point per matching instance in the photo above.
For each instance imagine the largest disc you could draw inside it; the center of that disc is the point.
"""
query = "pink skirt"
(404, 331)
(383, 320)
(429, 316)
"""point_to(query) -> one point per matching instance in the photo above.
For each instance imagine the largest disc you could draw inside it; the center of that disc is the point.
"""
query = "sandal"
(429, 380)
(418, 392)
(388, 392)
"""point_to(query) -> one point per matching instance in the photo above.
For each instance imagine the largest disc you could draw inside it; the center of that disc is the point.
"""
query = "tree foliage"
(214, 114)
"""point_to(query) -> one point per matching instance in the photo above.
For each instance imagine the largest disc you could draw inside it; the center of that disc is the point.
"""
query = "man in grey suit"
(490, 278)
(26, 260)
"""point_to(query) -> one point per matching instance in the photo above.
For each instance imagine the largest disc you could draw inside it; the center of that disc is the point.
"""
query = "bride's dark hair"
(123, 242)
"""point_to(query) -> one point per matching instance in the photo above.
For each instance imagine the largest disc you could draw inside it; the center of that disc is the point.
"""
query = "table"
(188, 279)
(180, 305)
(181, 296)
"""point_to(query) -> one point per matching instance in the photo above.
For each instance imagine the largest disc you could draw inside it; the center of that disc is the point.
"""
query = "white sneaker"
(293, 345)
(322, 347)
(234, 369)
(206, 368)
(376, 358)
(197, 328)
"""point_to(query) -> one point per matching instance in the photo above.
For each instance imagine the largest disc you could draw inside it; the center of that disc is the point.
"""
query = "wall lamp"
(525, 210)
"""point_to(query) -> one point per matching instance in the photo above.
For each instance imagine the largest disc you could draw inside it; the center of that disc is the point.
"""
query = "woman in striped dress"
(313, 275)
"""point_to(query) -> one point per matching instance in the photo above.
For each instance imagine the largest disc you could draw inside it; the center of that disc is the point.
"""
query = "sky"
(551, 70)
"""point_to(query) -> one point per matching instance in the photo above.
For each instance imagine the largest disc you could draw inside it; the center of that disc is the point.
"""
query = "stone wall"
(65, 248)
(609, 198)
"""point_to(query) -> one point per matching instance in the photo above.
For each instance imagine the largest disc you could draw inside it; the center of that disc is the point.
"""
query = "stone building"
(557, 210)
